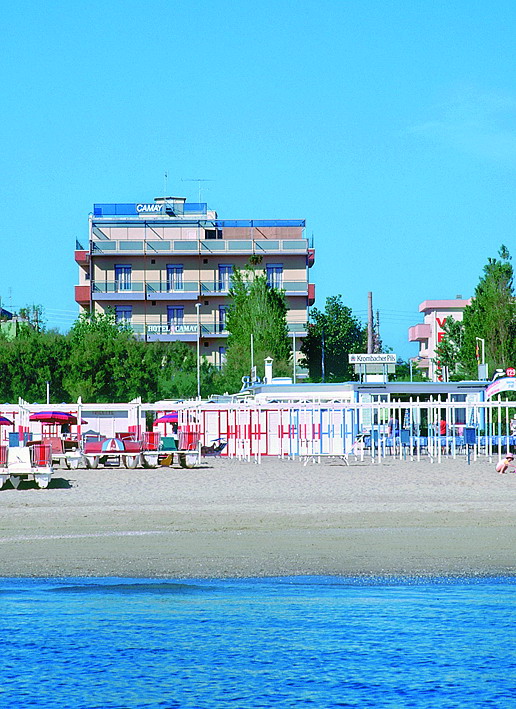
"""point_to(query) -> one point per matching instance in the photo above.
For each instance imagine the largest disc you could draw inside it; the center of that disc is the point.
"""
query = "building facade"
(430, 332)
(165, 267)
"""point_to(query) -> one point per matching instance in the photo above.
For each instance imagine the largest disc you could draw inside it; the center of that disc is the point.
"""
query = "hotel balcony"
(82, 294)
(187, 331)
(112, 290)
(82, 258)
(117, 247)
(161, 290)
(222, 287)
(418, 333)
(186, 290)
(311, 293)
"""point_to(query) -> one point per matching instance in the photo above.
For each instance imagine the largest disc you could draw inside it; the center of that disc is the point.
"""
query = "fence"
(408, 430)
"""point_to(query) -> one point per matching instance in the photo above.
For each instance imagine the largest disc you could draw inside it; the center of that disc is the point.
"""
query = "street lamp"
(197, 307)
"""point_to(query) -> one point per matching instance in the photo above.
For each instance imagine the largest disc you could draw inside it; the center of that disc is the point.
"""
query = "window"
(275, 275)
(123, 278)
(223, 314)
(175, 315)
(225, 273)
(213, 234)
(123, 313)
(222, 356)
(174, 277)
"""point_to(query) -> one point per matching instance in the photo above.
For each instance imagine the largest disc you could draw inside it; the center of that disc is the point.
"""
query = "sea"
(320, 642)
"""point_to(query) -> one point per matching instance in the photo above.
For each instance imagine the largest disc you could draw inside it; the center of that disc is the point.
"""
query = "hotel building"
(165, 268)
(430, 332)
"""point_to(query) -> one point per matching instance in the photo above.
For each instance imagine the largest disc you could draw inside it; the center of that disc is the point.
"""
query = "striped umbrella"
(171, 417)
(54, 417)
(4, 421)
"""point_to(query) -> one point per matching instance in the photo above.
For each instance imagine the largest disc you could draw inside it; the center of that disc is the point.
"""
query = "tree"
(98, 367)
(339, 333)
(449, 348)
(29, 361)
(491, 316)
(255, 309)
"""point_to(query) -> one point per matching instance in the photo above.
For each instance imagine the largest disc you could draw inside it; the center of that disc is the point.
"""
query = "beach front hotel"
(430, 332)
(165, 267)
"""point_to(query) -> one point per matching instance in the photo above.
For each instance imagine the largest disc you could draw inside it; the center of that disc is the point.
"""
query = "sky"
(389, 125)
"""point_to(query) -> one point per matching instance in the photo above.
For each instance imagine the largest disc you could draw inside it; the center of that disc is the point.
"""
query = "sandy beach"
(234, 519)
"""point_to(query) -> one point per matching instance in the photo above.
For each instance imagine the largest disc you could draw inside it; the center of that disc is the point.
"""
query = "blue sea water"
(283, 642)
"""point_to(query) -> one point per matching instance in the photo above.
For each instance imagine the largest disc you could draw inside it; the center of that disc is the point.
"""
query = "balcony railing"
(186, 289)
(208, 329)
(118, 287)
(171, 287)
(195, 246)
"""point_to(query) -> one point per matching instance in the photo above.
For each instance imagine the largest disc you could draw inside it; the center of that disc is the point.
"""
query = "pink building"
(430, 332)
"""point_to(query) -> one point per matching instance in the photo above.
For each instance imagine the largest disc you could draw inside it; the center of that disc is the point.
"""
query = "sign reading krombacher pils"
(375, 358)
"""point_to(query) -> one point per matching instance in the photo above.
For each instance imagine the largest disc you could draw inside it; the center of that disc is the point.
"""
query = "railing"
(251, 246)
(215, 287)
(165, 287)
(190, 328)
(186, 287)
(118, 287)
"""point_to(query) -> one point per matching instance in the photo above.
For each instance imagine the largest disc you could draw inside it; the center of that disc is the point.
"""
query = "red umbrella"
(5, 421)
(54, 417)
(171, 417)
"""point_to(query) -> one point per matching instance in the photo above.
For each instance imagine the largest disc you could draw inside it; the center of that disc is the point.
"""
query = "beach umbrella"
(59, 417)
(5, 421)
(171, 417)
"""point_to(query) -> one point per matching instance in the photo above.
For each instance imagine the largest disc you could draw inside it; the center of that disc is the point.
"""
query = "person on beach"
(504, 465)
(393, 427)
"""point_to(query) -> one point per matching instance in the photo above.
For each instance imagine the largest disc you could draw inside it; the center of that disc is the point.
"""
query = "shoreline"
(232, 519)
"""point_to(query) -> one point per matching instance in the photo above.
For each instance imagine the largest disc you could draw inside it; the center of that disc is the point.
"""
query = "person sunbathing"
(504, 465)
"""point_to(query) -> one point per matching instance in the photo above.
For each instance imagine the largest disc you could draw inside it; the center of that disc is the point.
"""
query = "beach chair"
(215, 450)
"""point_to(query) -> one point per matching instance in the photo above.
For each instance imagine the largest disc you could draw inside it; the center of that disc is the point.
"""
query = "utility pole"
(369, 323)
(322, 357)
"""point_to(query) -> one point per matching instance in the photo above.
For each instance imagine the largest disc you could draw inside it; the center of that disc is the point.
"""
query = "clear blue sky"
(388, 125)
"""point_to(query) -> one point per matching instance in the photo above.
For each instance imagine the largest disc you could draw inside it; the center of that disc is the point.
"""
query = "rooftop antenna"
(198, 180)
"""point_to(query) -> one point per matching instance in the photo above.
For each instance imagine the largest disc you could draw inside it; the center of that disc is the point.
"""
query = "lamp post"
(197, 307)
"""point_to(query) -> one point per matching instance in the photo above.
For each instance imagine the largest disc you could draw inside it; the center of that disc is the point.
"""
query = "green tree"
(491, 316)
(177, 372)
(340, 333)
(448, 350)
(405, 372)
(259, 310)
(99, 368)
(29, 361)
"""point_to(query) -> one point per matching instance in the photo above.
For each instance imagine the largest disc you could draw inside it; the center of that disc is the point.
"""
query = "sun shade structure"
(171, 417)
(4, 421)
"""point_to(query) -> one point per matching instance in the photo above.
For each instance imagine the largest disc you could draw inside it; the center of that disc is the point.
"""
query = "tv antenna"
(198, 180)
